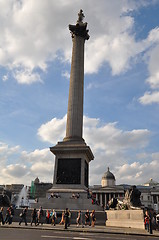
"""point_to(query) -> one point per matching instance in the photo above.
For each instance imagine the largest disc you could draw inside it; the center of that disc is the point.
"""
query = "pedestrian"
(8, 216)
(146, 221)
(78, 219)
(69, 218)
(150, 221)
(47, 216)
(154, 224)
(66, 216)
(62, 218)
(12, 214)
(1, 216)
(34, 217)
(53, 217)
(93, 218)
(87, 218)
(23, 215)
(40, 215)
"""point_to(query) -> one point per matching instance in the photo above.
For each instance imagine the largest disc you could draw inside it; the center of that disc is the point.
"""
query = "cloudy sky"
(121, 95)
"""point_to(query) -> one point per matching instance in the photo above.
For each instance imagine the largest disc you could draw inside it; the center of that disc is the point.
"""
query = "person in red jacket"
(147, 221)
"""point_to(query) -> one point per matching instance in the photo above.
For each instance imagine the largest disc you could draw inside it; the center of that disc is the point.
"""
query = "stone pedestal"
(71, 173)
(71, 169)
(125, 218)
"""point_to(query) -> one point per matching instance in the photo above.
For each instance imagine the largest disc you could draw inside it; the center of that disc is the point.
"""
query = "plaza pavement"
(96, 229)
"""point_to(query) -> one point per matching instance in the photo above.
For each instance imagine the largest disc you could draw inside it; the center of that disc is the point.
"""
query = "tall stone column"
(74, 125)
(71, 171)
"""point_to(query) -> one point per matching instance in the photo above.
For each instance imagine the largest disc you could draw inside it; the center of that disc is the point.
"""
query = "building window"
(148, 198)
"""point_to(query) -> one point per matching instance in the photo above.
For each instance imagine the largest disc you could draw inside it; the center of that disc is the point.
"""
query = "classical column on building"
(105, 199)
(73, 155)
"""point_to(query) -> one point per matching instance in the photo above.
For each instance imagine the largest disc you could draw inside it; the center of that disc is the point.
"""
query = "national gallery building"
(108, 190)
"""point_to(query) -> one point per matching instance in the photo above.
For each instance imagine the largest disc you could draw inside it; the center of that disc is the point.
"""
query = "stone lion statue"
(132, 197)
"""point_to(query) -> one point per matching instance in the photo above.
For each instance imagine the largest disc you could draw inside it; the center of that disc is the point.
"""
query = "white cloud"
(33, 34)
(15, 170)
(152, 57)
(149, 98)
(27, 77)
(154, 35)
(137, 173)
(111, 139)
(5, 78)
(118, 51)
(30, 36)
(53, 130)
(18, 166)
(106, 137)
(5, 149)
(153, 79)
(44, 171)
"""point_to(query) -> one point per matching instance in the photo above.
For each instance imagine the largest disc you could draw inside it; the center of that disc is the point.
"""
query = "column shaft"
(74, 125)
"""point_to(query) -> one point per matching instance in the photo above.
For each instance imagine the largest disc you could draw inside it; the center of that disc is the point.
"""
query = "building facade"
(108, 190)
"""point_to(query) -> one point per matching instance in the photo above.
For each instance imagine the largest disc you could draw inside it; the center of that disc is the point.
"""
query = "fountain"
(23, 200)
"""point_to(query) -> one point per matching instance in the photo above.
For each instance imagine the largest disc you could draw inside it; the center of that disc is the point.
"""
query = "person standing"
(62, 218)
(53, 217)
(47, 216)
(23, 216)
(66, 216)
(1, 216)
(78, 218)
(12, 214)
(34, 217)
(8, 216)
(87, 218)
(69, 218)
(150, 221)
(93, 218)
(146, 221)
(40, 216)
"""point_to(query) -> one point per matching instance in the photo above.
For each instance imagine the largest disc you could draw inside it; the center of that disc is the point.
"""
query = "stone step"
(62, 203)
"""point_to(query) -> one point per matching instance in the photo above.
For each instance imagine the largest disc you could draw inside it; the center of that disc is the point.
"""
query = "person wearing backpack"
(23, 215)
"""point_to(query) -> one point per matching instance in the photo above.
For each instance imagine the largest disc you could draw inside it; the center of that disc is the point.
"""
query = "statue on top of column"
(80, 16)
(80, 28)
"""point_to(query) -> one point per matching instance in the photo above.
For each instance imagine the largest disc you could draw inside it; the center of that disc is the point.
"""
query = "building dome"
(108, 179)
(108, 175)
(151, 182)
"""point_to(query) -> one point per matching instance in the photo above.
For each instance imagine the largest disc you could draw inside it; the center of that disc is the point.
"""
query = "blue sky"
(121, 93)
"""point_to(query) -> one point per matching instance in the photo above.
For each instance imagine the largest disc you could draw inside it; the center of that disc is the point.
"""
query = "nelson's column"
(71, 172)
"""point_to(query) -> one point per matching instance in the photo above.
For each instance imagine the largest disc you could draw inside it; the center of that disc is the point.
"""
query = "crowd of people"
(39, 216)
(90, 218)
(8, 218)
